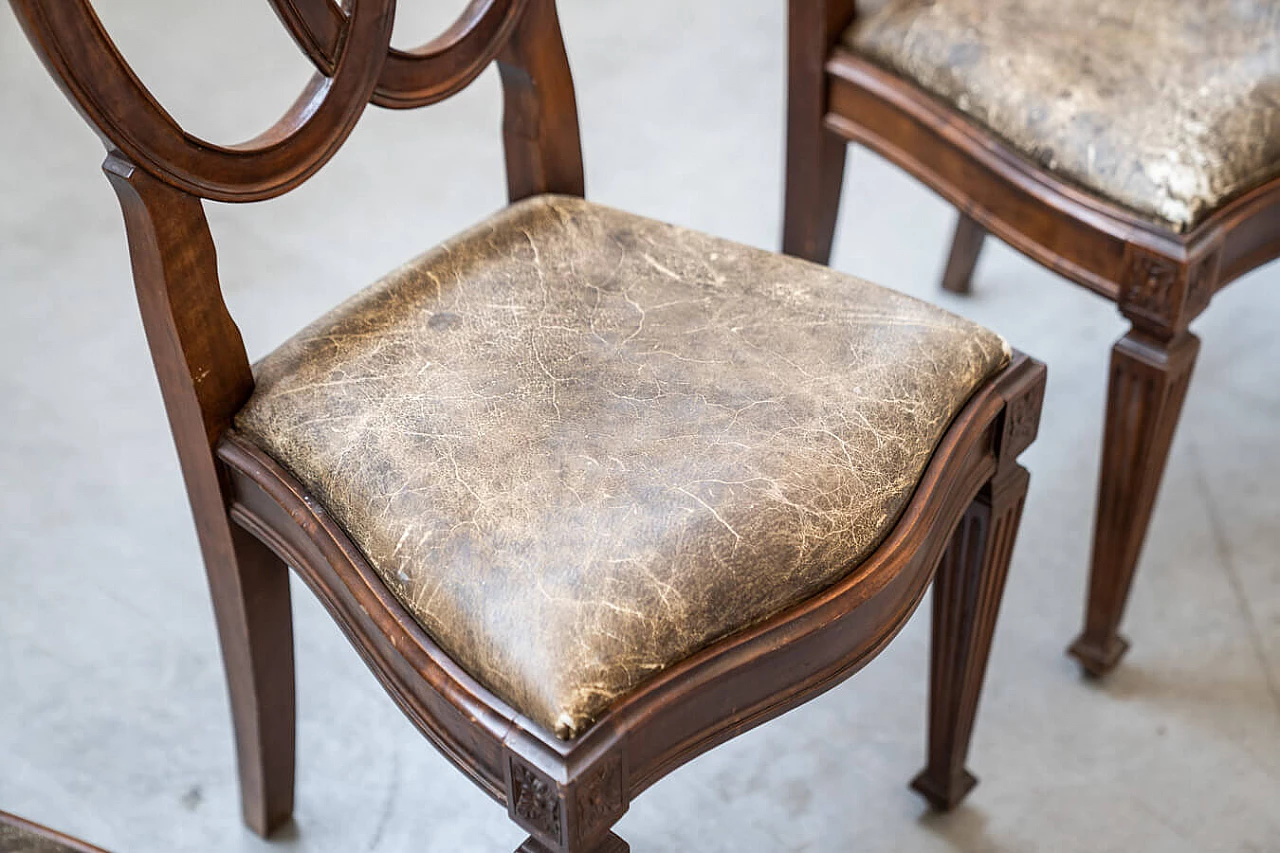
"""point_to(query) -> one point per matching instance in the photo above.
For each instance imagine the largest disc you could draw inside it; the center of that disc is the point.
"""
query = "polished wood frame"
(1161, 280)
(254, 520)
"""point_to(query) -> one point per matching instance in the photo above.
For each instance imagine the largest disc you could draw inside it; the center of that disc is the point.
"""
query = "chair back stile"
(161, 173)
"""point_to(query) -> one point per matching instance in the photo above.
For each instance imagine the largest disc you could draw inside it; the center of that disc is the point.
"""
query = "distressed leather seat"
(580, 445)
(1169, 108)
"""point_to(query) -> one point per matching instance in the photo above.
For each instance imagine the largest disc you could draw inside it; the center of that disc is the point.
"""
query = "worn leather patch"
(580, 445)
(17, 839)
(1167, 107)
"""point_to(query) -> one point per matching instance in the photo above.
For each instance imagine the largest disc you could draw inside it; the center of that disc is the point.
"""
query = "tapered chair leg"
(966, 246)
(609, 844)
(1149, 380)
(966, 600)
(251, 604)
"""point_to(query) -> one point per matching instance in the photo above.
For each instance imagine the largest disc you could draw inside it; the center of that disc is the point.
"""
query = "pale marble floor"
(113, 718)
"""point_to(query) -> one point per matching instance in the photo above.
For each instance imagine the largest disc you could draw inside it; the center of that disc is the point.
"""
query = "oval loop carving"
(410, 78)
(76, 48)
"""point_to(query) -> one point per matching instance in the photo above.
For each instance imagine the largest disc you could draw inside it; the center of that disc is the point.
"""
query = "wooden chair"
(590, 494)
(1136, 157)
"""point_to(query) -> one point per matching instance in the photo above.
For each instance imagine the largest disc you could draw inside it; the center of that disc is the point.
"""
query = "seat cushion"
(580, 445)
(1167, 107)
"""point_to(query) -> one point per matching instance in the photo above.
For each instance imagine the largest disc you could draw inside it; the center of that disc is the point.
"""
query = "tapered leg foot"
(944, 794)
(966, 600)
(1149, 380)
(251, 604)
(966, 246)
(1096, 659)
(609, 844)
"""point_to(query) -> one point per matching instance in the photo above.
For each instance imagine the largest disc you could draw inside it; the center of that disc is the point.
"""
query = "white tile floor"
(113, 719)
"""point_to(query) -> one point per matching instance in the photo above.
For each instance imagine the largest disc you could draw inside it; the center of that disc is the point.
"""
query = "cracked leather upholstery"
(580, 445)
(1167, 107)
(18, 839)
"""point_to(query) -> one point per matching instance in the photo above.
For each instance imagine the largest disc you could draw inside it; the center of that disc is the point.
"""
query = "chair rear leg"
(966, 246)
(255, 625)
(815, 176)
(815, 155)
(966, 600)
(205, 378)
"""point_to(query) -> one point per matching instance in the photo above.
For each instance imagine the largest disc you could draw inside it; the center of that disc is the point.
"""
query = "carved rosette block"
(1163, 294)
(568, 817)
(533, 801)
(1150, 286)
(1022, 416)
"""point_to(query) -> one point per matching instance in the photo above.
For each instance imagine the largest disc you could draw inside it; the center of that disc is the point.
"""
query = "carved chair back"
(355, 65)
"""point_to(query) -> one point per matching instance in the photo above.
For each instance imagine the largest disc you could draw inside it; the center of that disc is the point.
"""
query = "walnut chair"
(589, 493)
(1130, 146)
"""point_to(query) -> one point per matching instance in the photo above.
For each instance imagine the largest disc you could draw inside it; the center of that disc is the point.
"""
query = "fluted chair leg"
(966, 600)
(1149, 380)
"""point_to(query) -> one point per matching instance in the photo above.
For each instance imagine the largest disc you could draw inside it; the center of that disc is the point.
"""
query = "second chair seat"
(580, 445)
(1166, 107)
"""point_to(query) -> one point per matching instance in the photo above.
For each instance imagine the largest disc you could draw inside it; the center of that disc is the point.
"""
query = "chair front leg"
(966, 599)
(1149, 380)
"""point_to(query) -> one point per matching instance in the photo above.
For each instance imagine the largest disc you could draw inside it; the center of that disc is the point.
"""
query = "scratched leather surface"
(1168, 107)
(580, 445)
(17, 840)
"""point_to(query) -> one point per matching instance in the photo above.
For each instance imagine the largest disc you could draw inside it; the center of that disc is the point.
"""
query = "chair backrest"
(351, 51)
(161, 173)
